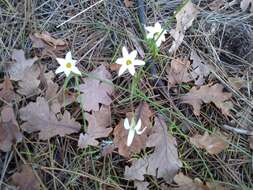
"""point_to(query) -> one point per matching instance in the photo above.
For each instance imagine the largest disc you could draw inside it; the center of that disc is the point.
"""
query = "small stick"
(80, 13)
(238, 130)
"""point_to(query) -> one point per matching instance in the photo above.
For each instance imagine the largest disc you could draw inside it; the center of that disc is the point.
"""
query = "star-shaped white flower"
(128, 61)
(133, 128)
(67, 65)
(157, 33)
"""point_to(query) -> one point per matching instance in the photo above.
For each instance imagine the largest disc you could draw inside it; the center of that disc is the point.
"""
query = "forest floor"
(193, 96)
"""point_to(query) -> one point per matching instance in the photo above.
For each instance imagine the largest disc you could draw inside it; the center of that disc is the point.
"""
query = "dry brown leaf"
(98, 123)
(40, 40)
(245, 4)
(207, 94)
(185, 18)
(17, 70)
(129, 3)
(139, 141)
(7, 91)
(114, 67)
(213, 144)
(178, 72)
(95, 91)
(25, 180)
(30, 84)
(216, 4)
(200, 70)
(9, 130)
(163, 162)
(38, 117)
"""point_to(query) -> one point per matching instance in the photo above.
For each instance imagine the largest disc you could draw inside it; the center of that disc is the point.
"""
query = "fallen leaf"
(185, 18)
(43, 39)
(245, 4)
(163, 162)
(216, 4)
(200, 70)
(98, 123)
(95, 90)
(139, 141)
(213, 144)
(25, 180)
(38, 117)
(141, 185)
(7, 91)
(17, 70)
(9, 130)
(129, 3)
(178, 72)
(108, 149)
(114, 67)
(30, 84)
(207, 94)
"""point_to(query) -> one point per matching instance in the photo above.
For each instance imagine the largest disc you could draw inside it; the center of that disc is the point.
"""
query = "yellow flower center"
(156, 34)
(128, 62)
(68, 65)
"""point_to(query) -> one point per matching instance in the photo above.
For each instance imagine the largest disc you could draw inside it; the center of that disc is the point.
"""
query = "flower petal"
(61, 61)
(126, 124)
(59, 70)
(76, 70)
(138, 62)
(67, 72)
(122, 69)
(138, 125)
(68, 57)
(130, 137)
(158, 27)
(150, 29)
(120, 61)
(140, 132)
(124, 51)
(133, 54)
(150, 35)
(131, 69)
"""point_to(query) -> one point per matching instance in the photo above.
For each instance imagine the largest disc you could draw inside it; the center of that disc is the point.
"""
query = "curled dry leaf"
(7, 91)
(139, 141)
(163, 162)
(17, 69)
(178, 72)
(213, 144)
(98, 123)
(25, 180)
(44, 39)
(9, 130)
(38, 117)
(200, 70)
(245, 4)
(207, 94)
(186, 183)
(185, 18)
(96, 90)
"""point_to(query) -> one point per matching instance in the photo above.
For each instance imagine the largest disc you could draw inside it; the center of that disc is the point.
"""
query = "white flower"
(128, 61)
(133, 128)
(157, 33)
(67, 65)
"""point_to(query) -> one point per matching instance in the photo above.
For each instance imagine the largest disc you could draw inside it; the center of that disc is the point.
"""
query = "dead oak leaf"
(207, 94)
(7, 92)
(213, 144)
(38, 117)
(163, 162)
(9, 130)
(139, 142)
(30, 84)
(200, 70)
(98, 123)
(95, 90)
(17, 69)
(245, 4)
(25, 180)
(178, 72)
(185, 18)
(129, 3)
